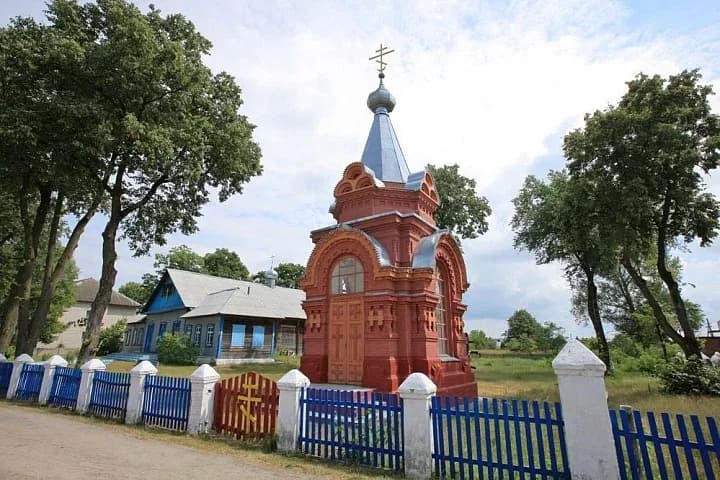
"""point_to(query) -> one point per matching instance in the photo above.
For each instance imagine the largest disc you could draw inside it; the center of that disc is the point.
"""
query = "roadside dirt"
(37, 444)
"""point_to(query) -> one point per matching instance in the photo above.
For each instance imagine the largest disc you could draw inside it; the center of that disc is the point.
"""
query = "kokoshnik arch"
(384, 285)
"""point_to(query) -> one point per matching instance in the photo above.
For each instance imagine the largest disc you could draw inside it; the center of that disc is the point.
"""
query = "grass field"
(502, 374)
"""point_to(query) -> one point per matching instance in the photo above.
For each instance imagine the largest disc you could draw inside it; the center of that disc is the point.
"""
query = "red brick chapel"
(384, 285)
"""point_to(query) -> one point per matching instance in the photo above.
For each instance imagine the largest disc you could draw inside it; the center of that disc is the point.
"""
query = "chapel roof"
(382, 153)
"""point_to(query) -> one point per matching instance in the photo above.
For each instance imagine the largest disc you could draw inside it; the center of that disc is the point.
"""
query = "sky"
(492, 86)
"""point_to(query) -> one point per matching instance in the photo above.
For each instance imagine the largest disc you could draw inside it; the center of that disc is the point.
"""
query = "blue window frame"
(198, 334)
(176, 326)
(209, 335)
(258, 336)
(140, 337)
(238, 335)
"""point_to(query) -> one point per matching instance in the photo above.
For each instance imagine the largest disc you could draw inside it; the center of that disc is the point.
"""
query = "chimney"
(271, 278)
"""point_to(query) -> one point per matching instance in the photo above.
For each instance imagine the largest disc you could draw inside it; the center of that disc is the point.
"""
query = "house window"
(347, 277)
(258, 336)
(188, 330)
(141, 336)
(441, 314)
(175, 327)
(161, 331)
(167, 290)
(209, 335)
(198, 335)
(238, 336)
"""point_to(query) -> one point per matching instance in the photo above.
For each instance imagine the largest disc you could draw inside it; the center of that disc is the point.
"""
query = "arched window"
(441, 314)
(347, 277)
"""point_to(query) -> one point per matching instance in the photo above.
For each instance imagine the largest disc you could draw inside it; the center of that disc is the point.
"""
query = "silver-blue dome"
(381, 98)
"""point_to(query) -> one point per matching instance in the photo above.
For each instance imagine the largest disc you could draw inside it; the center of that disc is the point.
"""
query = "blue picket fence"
(30, 381)
(6, 369)
(65, 387)
(109, 394)
(648, 449)
(166, 402)
(352, 426)
(491, 438)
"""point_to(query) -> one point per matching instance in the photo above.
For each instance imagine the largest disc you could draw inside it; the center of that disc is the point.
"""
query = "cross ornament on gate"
(246, 401)
(383, 50)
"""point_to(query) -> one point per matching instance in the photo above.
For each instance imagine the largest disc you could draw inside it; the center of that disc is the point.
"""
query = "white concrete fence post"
(18, 365)
(202, 396)
(86, 380)
(290, 388)
(588, 433)
(48, 375)
(416, 392)
(136, 393)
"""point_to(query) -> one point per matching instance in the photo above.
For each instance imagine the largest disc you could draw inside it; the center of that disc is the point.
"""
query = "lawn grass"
(506, 375)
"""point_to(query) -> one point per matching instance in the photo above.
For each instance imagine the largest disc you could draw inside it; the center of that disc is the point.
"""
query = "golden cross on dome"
(379, 58)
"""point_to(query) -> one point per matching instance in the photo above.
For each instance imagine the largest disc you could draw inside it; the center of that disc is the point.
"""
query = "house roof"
(208, 295)
(87, 288)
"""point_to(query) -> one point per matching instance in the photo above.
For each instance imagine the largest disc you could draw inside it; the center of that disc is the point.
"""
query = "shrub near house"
(177, 349)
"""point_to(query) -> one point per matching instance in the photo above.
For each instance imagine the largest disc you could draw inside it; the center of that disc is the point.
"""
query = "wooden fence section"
(491, 438)
(668, 448)
(6, 369)
(30, 381)
(353, 426)
(109, 394)
(65, 387)
(246, 406)
(166, 402)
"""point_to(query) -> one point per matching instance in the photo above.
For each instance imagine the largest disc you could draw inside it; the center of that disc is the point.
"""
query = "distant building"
(121, 307)
(232, 321)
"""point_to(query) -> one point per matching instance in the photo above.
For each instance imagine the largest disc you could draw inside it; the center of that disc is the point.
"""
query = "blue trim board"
(219, 337)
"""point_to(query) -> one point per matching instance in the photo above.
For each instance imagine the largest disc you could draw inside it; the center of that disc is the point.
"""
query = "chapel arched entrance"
(346, 322)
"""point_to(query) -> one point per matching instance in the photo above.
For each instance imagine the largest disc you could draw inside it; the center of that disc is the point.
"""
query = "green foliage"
(691, 377)
(111, 338)
(461, 209)
(289, 274)
(137, 291)
(225, 263)
(525, 334)
(480, 341)
(177, 349)
(181, 257)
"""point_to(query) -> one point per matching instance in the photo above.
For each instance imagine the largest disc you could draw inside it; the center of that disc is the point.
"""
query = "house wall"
(74, 317)
(246, 351)
(288, 336)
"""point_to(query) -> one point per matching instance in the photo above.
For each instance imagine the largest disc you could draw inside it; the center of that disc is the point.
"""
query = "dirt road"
(36, 444)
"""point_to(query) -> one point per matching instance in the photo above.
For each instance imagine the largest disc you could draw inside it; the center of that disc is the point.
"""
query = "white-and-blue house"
(232, 321)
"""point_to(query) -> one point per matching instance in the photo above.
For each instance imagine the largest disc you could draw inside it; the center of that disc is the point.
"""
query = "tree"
(557, 221)
(44, 131)
(461, 209)
(646, 156)
(137, 291)
(225, 263)
(480, 341)
(181, 257)
(111, 338)
(172, 130)
(522, 331)
(289, 274)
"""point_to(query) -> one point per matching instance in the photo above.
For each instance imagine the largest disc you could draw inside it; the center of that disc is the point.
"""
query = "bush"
(177, 349)
(111, 338)
(691, 377)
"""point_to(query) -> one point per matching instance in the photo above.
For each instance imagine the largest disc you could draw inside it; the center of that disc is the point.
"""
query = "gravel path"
(40, 445)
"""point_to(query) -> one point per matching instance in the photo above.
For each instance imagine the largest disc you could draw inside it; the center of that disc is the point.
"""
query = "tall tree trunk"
(655, 307)
(693, 346)
(19, 297)
(594, 313)
(91, 335)
(39, 317)
(7, 329)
